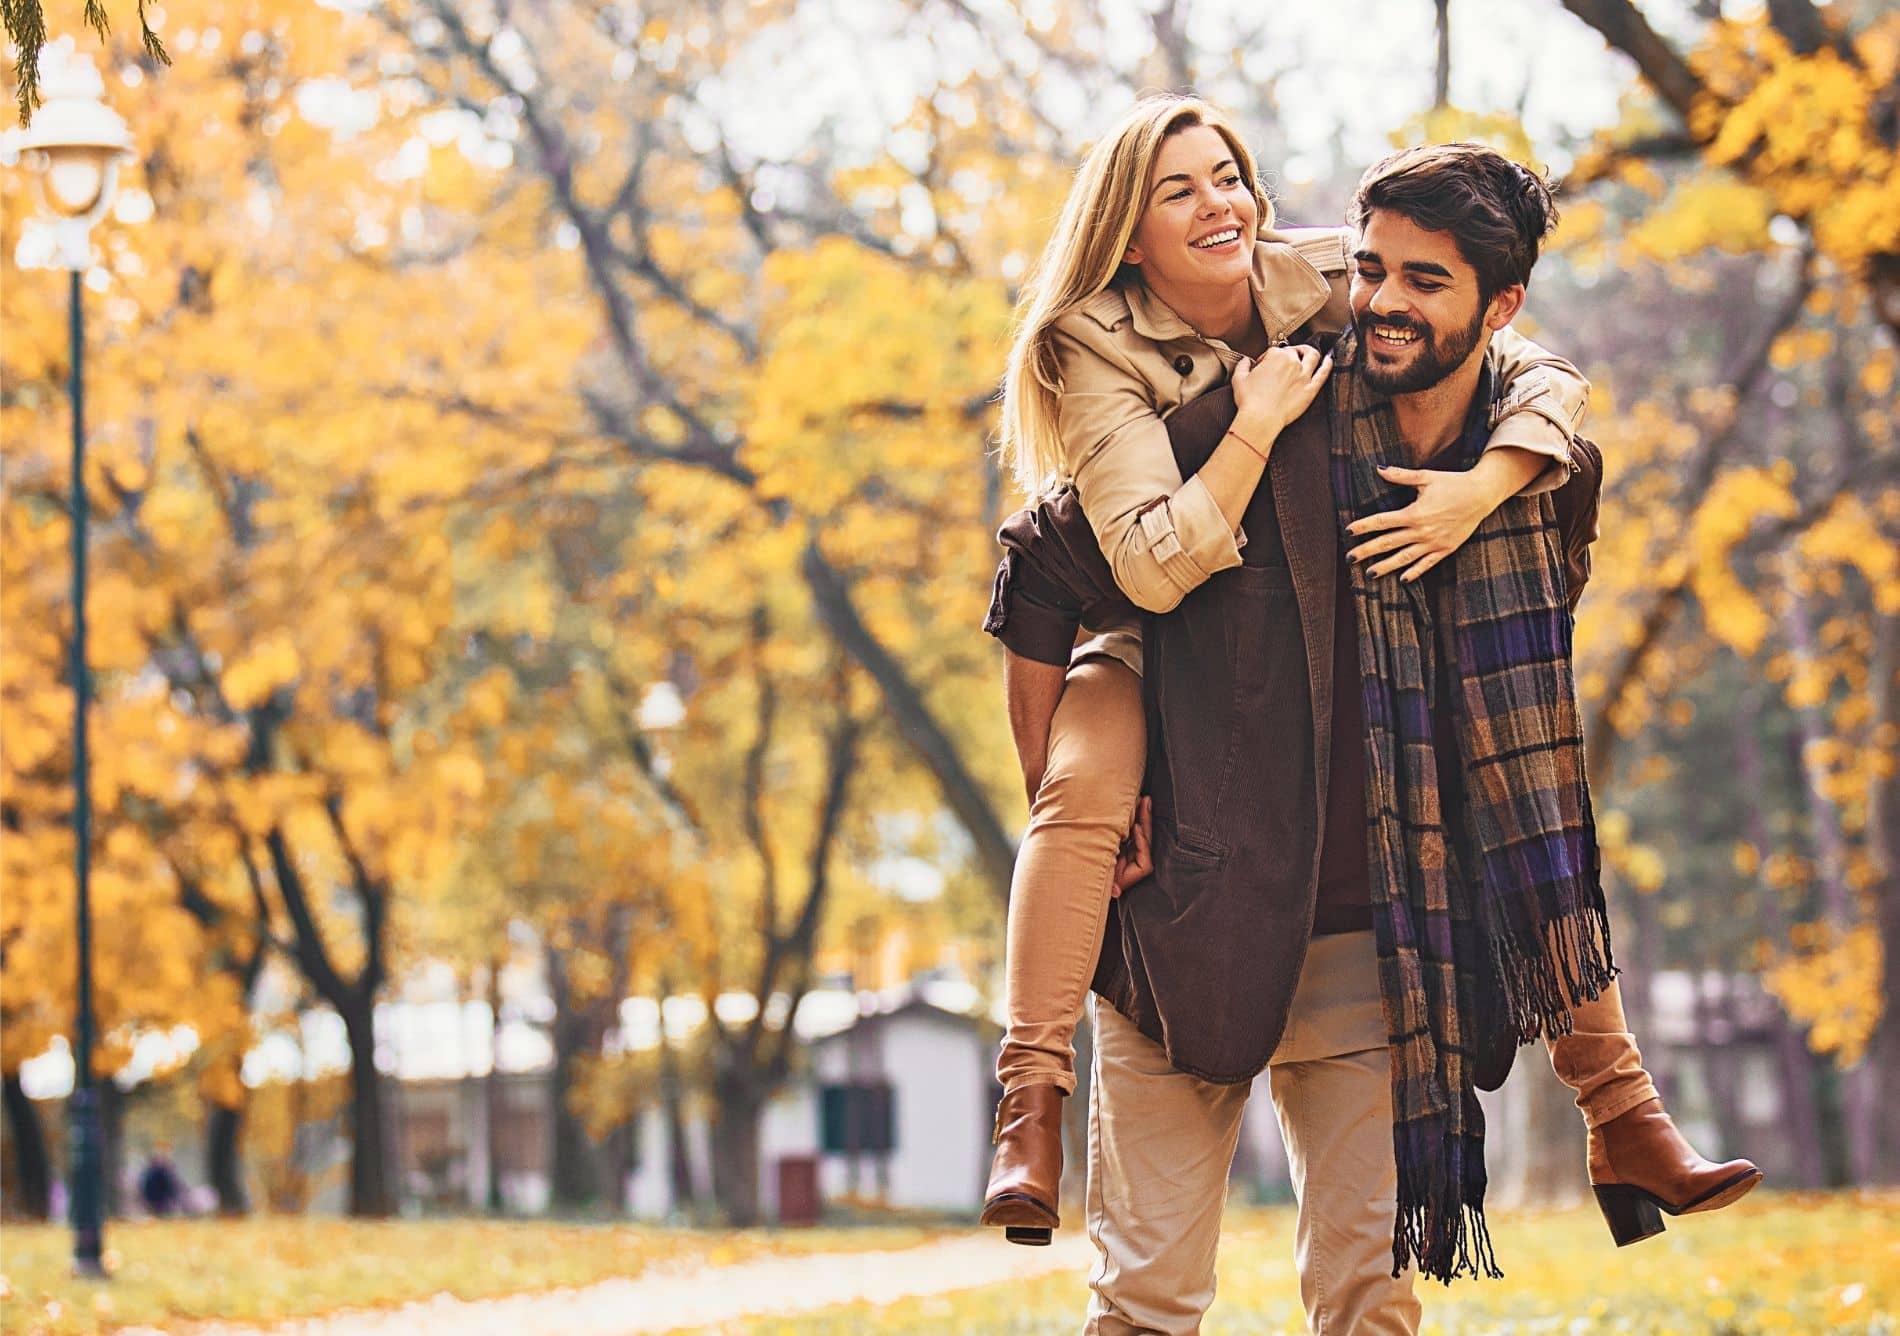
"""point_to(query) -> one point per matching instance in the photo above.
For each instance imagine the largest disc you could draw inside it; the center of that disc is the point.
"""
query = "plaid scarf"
(1492, 914)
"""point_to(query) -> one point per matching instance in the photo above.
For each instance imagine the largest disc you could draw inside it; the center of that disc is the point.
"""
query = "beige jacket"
(1128, 360)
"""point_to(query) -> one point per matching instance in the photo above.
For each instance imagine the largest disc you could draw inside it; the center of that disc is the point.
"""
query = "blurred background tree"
(545, 490)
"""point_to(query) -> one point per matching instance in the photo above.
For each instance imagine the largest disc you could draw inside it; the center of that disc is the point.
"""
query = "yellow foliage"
(1831, 984)
(1802, 128)
(1736, 500)
(1712, 211)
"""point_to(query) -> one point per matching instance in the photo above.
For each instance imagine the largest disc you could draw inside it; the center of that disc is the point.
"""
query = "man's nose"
(1387, 298)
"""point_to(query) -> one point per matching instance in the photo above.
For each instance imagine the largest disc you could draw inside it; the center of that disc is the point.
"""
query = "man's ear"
(1505, 304)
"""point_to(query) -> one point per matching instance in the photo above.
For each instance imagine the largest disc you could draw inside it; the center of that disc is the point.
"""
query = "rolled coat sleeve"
(1542, 405)
(1162, 536)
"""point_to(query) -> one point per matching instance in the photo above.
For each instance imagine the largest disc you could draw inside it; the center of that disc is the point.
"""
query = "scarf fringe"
(1542, 967)
(1440, 1228)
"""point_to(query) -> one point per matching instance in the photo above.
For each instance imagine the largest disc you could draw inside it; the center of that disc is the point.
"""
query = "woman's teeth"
(1218, 239)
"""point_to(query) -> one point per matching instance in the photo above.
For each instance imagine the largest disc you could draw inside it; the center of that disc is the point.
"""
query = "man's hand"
(1136, 859)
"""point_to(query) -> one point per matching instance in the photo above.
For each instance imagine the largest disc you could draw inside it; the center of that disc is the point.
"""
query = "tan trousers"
(1058, 899)
(1161, 1144)
(1058, 895)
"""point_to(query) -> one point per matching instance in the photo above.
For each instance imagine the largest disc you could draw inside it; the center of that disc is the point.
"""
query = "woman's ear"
(1132, 255)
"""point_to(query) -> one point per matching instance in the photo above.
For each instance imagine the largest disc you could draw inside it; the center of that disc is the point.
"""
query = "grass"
(275, 1267)
(1774, 1264)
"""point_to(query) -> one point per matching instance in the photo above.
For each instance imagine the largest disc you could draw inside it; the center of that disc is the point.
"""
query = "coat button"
(1184, 364)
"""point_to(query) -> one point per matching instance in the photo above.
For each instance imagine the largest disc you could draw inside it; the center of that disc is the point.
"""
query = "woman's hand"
(1275, 390)
(1415, 538)
(1136, 859)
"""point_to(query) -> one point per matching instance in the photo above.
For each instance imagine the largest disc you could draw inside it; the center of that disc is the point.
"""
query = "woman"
(1189, 288)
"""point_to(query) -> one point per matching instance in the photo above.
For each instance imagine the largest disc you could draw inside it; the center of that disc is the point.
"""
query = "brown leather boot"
(1026, 1175)
(1640, 1166)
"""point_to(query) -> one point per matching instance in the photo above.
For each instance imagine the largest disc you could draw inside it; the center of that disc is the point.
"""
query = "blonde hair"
(1083, 256)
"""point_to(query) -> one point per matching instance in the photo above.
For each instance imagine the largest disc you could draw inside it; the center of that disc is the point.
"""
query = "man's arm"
(1576, 504)
(1031, 690)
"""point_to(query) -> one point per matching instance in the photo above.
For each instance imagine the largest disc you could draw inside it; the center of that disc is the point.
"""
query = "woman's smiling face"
(1198, 220)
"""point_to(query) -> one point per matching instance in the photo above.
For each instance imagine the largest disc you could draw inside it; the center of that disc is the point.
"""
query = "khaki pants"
(1161, 1143)
(1058, 895)
(1058, 900)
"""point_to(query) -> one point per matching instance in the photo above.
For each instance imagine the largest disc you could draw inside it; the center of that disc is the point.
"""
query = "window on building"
(858, 1118)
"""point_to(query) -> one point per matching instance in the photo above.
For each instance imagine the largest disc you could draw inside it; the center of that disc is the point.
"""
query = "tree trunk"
(493, 1091)
(1553, 1165)
(1799, 1114)
(32, 1170)
(1799, 1117)
(372, 1191)
(679, 1163)
(831, 598)
(1883, 838)
(224, 1163)
(616, 1162)
(1721, 1059)
(575, 1176)
(1856, 1088)
(735, 1150)
(1441, 77)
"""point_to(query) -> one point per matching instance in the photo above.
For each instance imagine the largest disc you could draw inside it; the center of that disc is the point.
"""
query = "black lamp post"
(77, 142)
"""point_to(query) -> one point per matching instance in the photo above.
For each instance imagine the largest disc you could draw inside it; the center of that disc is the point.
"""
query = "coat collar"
(1287, 291)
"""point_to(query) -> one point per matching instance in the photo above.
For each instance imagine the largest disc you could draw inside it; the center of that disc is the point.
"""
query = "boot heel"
(1027, 1234)
(1630, 1214)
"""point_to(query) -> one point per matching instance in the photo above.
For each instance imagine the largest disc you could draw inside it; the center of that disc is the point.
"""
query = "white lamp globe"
(78, 140)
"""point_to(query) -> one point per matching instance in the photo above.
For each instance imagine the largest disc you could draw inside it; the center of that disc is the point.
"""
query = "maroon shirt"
(1344, 901)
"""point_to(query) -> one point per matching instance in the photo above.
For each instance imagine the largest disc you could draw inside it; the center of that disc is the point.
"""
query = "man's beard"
(1434, 361)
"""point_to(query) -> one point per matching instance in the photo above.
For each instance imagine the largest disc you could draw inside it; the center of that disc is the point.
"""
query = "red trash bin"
(798, 1202)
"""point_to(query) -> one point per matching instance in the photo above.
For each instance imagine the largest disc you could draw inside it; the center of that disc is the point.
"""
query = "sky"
(1355, 68)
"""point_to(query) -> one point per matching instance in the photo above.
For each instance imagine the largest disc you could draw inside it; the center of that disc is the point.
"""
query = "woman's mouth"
(1218, 241)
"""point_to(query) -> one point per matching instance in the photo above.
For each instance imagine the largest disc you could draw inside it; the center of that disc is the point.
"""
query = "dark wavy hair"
(1498, 212)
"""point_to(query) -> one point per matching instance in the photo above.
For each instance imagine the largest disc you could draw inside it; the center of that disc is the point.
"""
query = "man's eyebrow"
(1186, 178)
(1410, 266)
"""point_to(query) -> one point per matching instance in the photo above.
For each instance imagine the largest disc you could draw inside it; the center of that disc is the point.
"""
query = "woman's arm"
(1540, 407)
(1164, 536)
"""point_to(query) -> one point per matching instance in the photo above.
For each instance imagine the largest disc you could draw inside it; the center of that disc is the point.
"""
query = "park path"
(667, 1298)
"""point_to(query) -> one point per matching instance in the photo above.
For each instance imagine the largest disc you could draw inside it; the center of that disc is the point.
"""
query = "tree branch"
(1623, 26)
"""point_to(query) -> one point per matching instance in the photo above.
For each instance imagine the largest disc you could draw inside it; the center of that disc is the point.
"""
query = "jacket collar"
(1287, 291)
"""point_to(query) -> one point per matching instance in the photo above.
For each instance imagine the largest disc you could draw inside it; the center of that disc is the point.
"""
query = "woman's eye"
(1180, 194)
(1230, 181)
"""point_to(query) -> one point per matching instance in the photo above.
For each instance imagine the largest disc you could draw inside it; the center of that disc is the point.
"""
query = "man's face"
(1417, 304)
(1197, 221)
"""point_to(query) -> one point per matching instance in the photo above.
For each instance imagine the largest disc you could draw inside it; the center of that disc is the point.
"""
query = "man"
(1263, 769)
